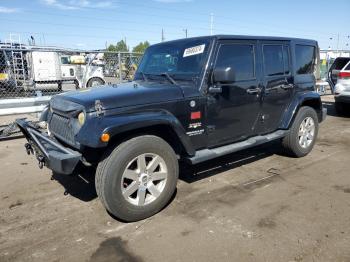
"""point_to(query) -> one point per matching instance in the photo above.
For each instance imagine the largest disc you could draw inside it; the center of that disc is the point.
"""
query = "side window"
(305, 59)
(240, 58)
(273, 60)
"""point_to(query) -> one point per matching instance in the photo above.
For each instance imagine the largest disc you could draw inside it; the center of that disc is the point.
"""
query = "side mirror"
(223, 75)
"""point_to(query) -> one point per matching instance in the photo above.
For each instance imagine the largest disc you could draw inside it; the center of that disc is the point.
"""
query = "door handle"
(253, 91)
(287, 86)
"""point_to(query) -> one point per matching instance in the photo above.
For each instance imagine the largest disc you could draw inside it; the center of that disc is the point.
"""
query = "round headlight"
(81, 118)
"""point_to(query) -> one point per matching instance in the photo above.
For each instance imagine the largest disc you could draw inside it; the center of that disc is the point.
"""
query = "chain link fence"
(31, 75)
(29, 72)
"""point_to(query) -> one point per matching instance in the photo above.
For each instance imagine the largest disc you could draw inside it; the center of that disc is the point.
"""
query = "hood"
(122, 95)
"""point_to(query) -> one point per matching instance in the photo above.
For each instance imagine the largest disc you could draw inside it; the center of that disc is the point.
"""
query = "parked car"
(339, 79)
(192, 100)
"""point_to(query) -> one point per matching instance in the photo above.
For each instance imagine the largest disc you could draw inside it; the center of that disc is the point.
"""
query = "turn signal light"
(105, 137)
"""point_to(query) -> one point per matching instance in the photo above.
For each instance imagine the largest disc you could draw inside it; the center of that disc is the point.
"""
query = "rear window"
(340, 62)
(348, 67)
(305, 59)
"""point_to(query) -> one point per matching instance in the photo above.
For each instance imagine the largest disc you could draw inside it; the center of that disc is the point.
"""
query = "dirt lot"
(257, 205)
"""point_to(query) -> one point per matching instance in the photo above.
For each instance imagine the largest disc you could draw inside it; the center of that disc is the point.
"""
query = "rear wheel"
(303, 133)
(137, 178)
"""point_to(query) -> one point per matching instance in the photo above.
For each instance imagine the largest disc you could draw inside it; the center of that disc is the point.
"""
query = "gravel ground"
(256, 205)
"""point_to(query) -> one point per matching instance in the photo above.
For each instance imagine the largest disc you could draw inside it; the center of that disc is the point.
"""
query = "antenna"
(211, 23)
(163, 38)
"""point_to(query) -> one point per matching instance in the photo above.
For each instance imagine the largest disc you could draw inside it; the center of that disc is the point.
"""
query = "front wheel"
(137, 178)
(303, 133)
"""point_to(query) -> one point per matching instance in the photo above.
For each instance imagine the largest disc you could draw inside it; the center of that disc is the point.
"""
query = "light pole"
(185, 30)
(330, 46)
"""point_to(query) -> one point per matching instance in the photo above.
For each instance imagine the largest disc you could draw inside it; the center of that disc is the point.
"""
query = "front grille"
(60, 127)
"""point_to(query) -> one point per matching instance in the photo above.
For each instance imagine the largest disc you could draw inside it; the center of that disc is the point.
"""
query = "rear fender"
(311, 99)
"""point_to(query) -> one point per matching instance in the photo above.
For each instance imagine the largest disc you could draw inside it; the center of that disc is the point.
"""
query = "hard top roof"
(246, 37)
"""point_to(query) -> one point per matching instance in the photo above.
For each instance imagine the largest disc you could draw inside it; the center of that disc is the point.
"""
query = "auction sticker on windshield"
(195, 50)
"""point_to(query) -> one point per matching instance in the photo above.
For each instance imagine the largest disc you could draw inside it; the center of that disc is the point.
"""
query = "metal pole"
(120, 67)
(338, 44)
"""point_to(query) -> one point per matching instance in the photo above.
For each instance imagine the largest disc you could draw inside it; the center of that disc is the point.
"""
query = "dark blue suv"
(193, 100)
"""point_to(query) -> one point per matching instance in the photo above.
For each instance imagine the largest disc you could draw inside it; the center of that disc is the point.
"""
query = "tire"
(293, 143)
(95, 81)
(117, 191)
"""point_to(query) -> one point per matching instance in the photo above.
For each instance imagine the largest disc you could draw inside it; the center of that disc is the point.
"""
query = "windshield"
(180, 59)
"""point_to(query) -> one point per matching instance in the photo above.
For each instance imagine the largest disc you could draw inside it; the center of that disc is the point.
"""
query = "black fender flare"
(312, 99)
(123, 123)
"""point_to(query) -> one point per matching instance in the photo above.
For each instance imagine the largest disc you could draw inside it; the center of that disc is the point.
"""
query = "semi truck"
(30, 70)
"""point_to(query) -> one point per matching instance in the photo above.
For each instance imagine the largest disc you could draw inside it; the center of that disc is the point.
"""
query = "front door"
(277, 82)
(233, 114)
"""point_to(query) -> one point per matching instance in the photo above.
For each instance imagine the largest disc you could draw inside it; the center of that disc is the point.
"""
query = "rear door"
(277, 82)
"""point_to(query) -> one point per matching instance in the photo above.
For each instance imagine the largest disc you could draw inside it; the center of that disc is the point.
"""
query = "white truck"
(51, 70)
(31, 70)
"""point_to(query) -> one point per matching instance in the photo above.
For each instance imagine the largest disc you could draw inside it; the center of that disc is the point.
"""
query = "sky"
(92, 24)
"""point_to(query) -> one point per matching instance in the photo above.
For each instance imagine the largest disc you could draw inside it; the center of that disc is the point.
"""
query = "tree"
(141, 47)
(119, 47)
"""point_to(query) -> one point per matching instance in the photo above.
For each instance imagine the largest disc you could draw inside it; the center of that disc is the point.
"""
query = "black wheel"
(303, 133)
(137, 178)
(95, 81)
(340, 108)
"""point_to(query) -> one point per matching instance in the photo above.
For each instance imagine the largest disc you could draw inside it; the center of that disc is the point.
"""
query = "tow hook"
(41, 162)
(29, 148)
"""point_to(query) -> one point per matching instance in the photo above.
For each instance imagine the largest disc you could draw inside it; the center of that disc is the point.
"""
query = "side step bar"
(207, 154)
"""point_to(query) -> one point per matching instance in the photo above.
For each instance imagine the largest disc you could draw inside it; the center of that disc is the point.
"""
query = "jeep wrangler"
(192, 100)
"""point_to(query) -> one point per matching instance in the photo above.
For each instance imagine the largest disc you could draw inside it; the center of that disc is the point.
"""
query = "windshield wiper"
(171, 80)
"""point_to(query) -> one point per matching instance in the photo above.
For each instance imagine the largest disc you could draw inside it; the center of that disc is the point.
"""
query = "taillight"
(344, 75)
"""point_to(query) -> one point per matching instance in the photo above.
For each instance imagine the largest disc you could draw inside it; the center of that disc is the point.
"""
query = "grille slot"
(59, 126)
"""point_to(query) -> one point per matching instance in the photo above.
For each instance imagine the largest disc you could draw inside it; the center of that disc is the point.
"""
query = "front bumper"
(47, 150)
